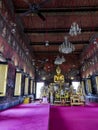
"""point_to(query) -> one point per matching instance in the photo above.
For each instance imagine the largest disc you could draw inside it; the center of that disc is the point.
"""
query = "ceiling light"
(74, 29)
(46, 43)
(13, 30)
(59, 60)
(66, 47)
(2, 59)
(95, 42)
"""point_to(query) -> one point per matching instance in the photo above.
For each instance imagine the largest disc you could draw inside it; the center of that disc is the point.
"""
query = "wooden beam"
(57, 43)
(79, 9)
(57, 30)
(55, 52)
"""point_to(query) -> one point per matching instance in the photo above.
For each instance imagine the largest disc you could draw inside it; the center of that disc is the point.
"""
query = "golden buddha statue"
(58, 78)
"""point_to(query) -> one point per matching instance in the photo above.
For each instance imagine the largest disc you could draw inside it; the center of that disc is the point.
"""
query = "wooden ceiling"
(59, 15)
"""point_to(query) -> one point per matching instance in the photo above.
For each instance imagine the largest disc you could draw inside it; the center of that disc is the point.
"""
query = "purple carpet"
(36, 117)
(73, 118)
(25, 117)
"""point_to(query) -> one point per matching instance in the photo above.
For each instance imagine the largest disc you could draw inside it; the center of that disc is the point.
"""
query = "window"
(38, 89)
(75, 85)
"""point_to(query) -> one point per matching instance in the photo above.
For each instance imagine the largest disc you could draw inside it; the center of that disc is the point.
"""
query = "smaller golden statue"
(59, 78)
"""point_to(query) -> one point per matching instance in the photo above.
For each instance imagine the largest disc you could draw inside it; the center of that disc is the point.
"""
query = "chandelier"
(74, 30)
(66, 47)
(59, 60)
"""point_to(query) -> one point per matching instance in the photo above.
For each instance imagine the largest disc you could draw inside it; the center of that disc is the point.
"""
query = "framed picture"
(26, 86)
(96, 78)
(17, 90)
(89, 85)
(83, 89)
(3, 79)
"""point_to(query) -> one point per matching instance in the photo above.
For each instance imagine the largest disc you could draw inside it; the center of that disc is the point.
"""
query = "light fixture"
(13, 30)
(13, 27)
(2, 59)
(66, 47)
(27, 51)
(59, 60)
(74, 29)
(46, 43)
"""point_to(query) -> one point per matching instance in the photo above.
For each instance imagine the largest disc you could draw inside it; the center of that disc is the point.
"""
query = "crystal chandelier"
(59, 60)
(66, 47)
(74, 30)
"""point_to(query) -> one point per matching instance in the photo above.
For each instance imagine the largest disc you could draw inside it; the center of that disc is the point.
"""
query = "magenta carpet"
(25, 117)
(36, 117)
(73, 118)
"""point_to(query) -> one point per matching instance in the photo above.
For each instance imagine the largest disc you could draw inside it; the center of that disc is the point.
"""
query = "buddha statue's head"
(58, 70)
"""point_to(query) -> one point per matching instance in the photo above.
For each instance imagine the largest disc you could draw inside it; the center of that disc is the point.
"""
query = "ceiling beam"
(57, 30)
(54, 52)
(78, 9)
(57, 43)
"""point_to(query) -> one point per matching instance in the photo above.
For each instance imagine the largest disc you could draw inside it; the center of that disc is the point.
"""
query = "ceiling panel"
(59, 15)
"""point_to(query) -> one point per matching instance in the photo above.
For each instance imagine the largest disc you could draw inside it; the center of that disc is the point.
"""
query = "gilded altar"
(60, 94)
(63, 93)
